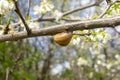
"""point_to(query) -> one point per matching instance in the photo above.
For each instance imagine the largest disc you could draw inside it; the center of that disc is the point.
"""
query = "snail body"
(63, 38)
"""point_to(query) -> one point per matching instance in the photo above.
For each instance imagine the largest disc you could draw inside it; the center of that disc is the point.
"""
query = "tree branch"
(80, 25)
(7, 74)
(78, 9)
(28, 10)
(22, 18)
(66, 13)
(108, 7)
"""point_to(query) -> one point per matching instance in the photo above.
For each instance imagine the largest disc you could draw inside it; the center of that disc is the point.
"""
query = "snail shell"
(63, 38)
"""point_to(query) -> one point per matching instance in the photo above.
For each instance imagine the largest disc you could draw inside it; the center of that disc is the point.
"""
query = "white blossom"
(31, 25)
(96, 68)
(117, 56)
(76, 41)
(43, 8)
(109, 65)
(99, 62)
(34, 25)
(6, 7)
(57, 15)
(81, 61)
(101, 56)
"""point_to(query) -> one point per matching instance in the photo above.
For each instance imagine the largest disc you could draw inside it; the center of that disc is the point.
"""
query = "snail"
(63, 38)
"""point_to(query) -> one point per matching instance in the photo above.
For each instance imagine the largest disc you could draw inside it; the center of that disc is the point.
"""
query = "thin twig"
(108, 7)
(22, 18)
(82, 34)
(18, 58)
(104, 12)
(7, 74)
(28, 11)
(72, 20)
(46, 65)
(78, 9)
(63, 5)
(6, 29)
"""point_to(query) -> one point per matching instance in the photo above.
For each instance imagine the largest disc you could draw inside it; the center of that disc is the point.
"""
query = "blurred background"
(89, 57)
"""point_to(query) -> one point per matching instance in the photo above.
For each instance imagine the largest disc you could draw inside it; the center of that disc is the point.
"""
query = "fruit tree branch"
(80, 25)
(22, 18)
